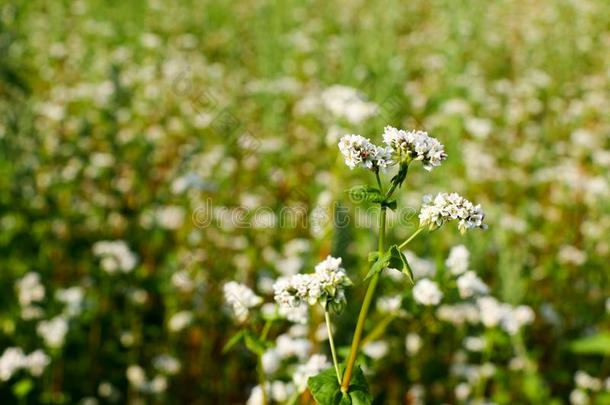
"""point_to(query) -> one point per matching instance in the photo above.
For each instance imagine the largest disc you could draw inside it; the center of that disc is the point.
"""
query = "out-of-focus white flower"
(585, 381)
(445, 207)
(271, 360)
(376, 350)
(53, 331)
(426, 292)
(170, 217)
(579, 397)
(313, 366)
(115, 256)
(241, 299)
(348, 103)
(298, 314)
(492, 312)
(458, 260)
(462, 391)
(180, 320)
(325, 286)
(515, 318)
(389, 304)
(469, 284)
(29, 289)
(288, 346)
(36, 362)
(422, 268)
(14, 359)
(167, 364)
(459, 314)
(11, 361)
(136, 375)
(413, 342)
(414, 145)
(358, 151)
(73, 299)
(474, 343)
(278, 391)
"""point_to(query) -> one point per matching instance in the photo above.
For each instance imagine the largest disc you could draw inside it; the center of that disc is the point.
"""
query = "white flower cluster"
(313, 366)
(30, 291)
(137, 378)
(445, 207)
(241, 299)
(414, 145)
(469, 284)
(278, 391)
(426, 292)
(348, 103)
(53, 331)
(360, 151)
(115, 256)
(13, 359)
(458, 260)
(325, 286)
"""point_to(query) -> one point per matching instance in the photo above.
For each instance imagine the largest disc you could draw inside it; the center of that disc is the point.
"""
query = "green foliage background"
(82, 78)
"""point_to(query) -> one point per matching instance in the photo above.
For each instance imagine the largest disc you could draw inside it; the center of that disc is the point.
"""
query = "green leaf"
(399, 261)
(401, 175)
(391, 204)
(360, 194)
(373, 256)
(380, 264)
(255, 344)
(596, 344)
(326, 390)
(235, 339)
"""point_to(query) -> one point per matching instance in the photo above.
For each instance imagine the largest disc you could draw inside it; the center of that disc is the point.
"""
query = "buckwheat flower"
(167, 364)
(29, 289)
(36, 362)
(241, 299)
(298, 314)
(414, 145)
(579, 397)
(458, 260)
(332, 280)
(469, 284)
(179, 321)
(585, 381)
(73, 299)
(492, 312)
(325, 286)
(413, 342)
(515, 318)
(426, 292)
(445, 207)
(136, 375)
(358, 151)
(11, 361)
(53, 331)
(389, 304)
(376, 350)
(313, 366)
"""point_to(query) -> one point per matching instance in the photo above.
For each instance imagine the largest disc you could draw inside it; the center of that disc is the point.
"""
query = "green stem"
(332, 345)
(378, 330)
(368, 298)
(262, 379)
(379, 181)
(405, 243)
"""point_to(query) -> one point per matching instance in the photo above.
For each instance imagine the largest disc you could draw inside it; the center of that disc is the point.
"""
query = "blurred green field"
(148, 150)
